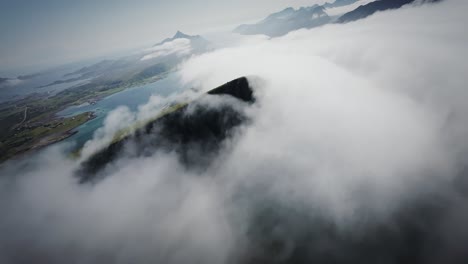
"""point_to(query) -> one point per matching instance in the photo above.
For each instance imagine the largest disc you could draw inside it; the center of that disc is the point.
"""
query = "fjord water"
(132, 98)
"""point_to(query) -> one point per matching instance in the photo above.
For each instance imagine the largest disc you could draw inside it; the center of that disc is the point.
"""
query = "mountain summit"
(364, 11)
(195, 131)
(179, 35)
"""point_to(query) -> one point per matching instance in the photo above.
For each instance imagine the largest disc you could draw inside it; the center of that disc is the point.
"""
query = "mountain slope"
(179, 45)
(339, 3)
(194, 131)
(147, 65)
(287, 20)
(179, 35)
(379, 5)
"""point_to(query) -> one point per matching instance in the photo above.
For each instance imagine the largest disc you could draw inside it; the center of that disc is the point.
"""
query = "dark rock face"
(238, 88)
(195, 132)
(379, 5)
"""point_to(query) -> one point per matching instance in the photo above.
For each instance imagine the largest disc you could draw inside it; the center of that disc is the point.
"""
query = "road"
(25, 116)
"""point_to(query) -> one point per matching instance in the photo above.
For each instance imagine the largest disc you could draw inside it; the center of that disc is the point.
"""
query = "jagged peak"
(180, 34)
(288, 9)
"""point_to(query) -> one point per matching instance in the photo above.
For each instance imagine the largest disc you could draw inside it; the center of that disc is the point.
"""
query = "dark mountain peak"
(180, 34)
(309, 8)
(281, 14)
(185, 129)
(316, 9)
(364, 11)
(238, 88)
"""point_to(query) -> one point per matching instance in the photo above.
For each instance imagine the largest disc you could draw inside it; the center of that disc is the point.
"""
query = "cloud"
(178, 47)
(121, 121)
(357, 137)
(116, 121)
(156, 103)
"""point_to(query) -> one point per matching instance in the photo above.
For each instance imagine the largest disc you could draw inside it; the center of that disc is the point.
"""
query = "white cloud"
(122, 121)
(179, 47)
(115, 121)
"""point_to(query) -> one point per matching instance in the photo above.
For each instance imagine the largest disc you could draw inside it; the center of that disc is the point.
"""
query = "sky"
(49, 32)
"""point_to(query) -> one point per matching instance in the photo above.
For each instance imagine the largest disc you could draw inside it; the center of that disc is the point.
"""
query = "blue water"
(132, 98)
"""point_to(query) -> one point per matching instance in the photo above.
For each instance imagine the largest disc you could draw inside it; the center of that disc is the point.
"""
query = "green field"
(30, 122)
(42, 135)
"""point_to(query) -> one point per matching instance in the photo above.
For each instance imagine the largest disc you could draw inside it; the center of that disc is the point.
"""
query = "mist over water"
(356, 153)
(131, 98)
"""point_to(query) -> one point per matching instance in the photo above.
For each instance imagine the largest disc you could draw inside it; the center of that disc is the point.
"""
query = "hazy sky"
(46, 32)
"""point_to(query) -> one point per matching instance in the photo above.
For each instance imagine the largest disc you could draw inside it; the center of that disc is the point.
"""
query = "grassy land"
(30, 138)
(42, 127)
(42, 107)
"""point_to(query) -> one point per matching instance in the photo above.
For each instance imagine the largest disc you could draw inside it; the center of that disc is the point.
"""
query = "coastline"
(35, 133)
(66, 128)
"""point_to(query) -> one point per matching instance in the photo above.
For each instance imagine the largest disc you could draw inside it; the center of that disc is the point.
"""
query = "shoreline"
(27, 139)
(49, 139)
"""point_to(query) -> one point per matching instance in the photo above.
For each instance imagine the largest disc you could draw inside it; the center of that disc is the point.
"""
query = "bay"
(132, 98)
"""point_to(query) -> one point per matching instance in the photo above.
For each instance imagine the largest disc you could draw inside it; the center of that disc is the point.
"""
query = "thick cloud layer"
(355, 153)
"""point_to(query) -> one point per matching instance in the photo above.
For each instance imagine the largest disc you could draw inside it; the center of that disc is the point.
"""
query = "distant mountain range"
(290, 19)
(369, 9)
(181, 35)
(160, 58)
(339, 3)
(197, 43)
(373, 7)
(287, 20)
